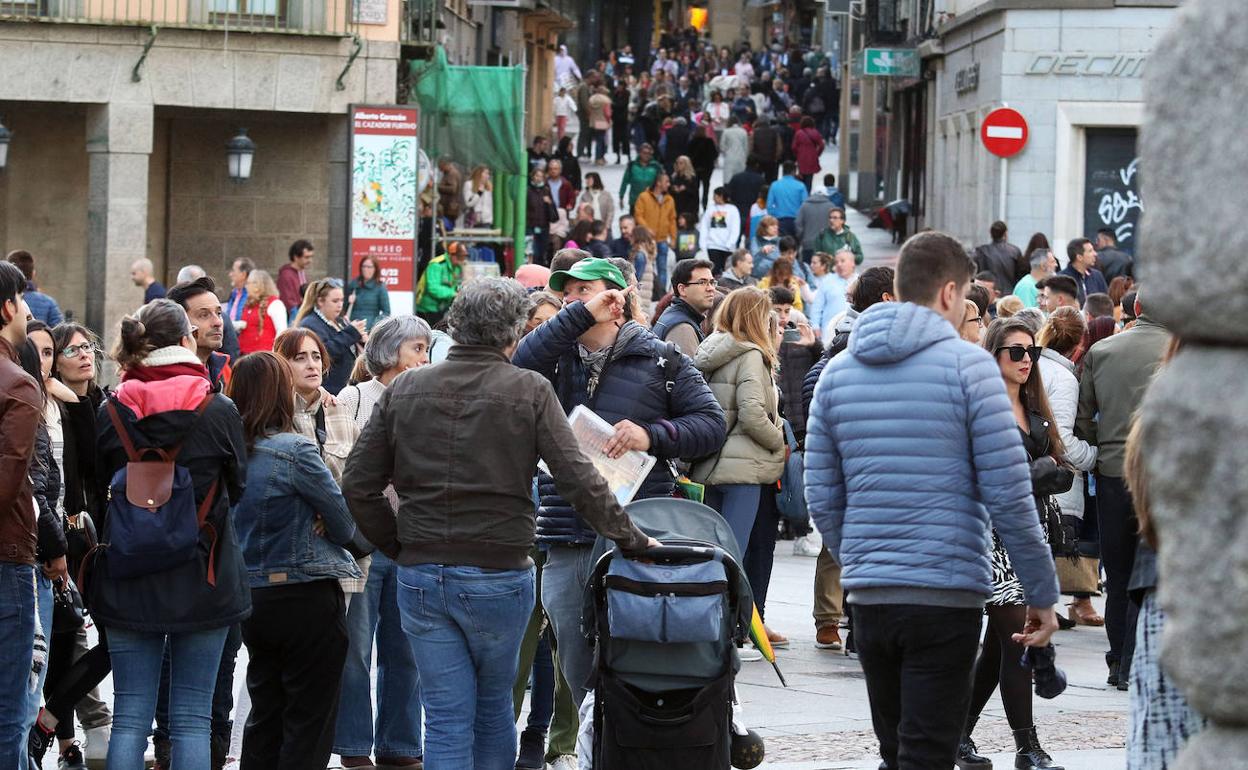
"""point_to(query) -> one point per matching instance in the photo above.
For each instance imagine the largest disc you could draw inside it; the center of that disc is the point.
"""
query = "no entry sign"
(1004, 132)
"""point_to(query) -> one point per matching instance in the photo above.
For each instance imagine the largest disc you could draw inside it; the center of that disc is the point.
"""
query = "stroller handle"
(674, 551)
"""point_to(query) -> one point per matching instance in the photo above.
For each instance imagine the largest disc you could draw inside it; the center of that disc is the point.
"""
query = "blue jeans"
(563, 591)
(738, 504)
(43, 589)
(376, 613)
(466, 625)
(194, 659)
(17, 645)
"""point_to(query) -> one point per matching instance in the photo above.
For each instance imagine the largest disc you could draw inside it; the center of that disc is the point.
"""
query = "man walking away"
(1001, 258)
(812, 217)
(1113, 261)
(912, 530)
(20, 410)
(1116, 372)
(785, 198)
(42, 307)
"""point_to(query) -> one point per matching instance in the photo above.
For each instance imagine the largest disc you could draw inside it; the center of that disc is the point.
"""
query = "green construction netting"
(475, 115)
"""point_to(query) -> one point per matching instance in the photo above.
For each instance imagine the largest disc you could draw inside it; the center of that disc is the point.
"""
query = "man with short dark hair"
(21, 408)
(292, 278)
(619, 247)
(785, 198)
(597, 245)
(1097, 306)
(693, 293)
(1057, 291)
(199, 299)
(906, 505)
(1001, 258)
(1088, 280)
(42, 307)
(1112, 260)
(240, 271)
(1116, 373)
(742, 189)
(738, 274)
(766, 145)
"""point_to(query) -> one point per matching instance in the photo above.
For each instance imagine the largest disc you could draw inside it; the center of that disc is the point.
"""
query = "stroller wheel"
(747, 750)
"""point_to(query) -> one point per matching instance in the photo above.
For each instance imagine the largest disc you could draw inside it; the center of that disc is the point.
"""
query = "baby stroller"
(666, 625)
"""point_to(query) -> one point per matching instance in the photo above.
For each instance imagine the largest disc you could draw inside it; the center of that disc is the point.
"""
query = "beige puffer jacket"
(742, 383)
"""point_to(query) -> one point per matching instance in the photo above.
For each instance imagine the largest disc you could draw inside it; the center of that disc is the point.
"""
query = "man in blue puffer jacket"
(594, 356)
(912, 454)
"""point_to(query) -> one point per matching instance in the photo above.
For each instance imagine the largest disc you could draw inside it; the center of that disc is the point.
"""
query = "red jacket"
(807, 147)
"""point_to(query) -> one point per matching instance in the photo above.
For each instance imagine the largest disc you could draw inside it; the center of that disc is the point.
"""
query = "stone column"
(1195, 416)
(338, 249)
(867, 174)
(119, 142)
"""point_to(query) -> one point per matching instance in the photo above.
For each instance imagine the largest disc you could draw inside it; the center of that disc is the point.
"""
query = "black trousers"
(1119, 537)
(917, 660)
(719, 259)
(296, 639)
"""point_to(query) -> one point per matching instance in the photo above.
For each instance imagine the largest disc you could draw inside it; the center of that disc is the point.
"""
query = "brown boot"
(828, 638)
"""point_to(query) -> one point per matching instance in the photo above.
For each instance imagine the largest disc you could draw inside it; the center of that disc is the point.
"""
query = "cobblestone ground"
(1066, 732)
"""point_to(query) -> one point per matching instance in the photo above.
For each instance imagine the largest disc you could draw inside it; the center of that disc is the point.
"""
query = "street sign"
(891, 62)
(1004, 132)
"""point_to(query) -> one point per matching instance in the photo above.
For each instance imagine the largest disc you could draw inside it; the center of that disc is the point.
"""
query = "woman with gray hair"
(459, 443)
(395, 345)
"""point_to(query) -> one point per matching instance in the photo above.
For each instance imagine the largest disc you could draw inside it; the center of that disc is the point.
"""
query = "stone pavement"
(823, 719)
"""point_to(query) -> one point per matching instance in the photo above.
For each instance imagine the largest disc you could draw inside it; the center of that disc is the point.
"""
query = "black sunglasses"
(1018, 351)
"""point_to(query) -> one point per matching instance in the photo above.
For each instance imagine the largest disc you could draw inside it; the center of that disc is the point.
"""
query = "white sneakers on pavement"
(564, 762)
(808, 545)
(749, 654)
(96, 751)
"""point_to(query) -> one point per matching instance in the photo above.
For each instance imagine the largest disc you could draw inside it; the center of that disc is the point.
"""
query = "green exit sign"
(891, 62)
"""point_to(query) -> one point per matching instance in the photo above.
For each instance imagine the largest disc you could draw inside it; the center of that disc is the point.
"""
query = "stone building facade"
(1074, 70)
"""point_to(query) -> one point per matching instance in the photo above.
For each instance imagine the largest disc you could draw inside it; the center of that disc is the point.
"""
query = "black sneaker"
(38, 741)
(1112, 679)
(71, 759)
(162, 749)
(220, 747)
(532, 750)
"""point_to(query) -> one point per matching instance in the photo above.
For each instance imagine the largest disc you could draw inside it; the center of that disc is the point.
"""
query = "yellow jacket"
(657, 217)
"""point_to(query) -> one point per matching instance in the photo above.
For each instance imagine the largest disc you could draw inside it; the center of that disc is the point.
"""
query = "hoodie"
(912, 459)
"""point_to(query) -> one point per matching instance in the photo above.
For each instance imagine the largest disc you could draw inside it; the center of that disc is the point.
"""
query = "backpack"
(153, 523)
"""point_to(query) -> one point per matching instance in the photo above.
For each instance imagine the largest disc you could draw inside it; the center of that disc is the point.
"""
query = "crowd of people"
(340, 487)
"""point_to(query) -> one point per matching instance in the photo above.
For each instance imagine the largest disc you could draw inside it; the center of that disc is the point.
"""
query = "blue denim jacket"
(287, 486)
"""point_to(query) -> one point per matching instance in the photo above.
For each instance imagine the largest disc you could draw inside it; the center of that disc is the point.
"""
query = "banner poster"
(384, 153)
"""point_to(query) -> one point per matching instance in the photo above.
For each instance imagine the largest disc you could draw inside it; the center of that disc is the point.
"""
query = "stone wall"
(212, 220)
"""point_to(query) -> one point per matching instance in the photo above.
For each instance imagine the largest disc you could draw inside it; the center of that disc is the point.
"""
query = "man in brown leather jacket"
(20, 409)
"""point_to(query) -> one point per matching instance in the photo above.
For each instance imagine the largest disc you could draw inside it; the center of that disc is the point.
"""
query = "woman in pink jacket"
(807, 147)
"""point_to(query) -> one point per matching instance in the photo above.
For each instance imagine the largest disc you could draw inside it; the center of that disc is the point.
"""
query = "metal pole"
(1005, 186)
(847, 55)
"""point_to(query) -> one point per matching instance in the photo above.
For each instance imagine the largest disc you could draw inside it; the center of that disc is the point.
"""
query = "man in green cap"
(657, 401)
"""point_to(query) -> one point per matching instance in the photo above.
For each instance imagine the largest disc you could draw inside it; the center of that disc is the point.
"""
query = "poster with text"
(384, 208)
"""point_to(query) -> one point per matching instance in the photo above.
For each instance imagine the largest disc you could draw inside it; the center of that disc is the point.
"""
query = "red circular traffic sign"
(1004, 132)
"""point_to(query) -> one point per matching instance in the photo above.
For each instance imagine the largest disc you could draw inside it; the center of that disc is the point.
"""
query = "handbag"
(1079, 575)
(791, 499)
(68, 612)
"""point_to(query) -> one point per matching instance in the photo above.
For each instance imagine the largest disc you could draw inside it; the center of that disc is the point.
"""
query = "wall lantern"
(239, 152)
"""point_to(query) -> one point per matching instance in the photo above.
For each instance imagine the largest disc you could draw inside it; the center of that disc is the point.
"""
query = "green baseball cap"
(591, 269)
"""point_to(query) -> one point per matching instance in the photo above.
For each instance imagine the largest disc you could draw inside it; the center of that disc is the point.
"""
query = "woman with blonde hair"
(643, 254)
(264, 315)
(737, 361)
(479, 198)
(685, 186)
(321, 312)
(782, 274)
(1008, 306)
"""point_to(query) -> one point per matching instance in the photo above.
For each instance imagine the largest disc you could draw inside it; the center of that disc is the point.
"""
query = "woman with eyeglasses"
(1012, 343)
(321, 312)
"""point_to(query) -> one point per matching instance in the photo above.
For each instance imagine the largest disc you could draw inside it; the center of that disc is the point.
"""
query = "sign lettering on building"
(369, 11)
(384, 189)
(891, 62)
(1104, 65)
(966, 80)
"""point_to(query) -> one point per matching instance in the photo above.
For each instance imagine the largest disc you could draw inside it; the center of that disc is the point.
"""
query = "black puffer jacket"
(688, 422)
(45, 479)
(181, 599)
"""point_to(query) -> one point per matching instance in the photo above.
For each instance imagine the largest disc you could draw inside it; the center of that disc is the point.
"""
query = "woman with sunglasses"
(321, 312)
(1012, 343)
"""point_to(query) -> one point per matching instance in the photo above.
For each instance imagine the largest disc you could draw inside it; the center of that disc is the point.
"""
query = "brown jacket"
(20, 411)
(460, 442)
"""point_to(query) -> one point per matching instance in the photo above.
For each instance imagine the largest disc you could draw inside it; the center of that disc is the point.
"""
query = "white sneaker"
(749, 654)
(96, 752)
(808, 545)
(564, 762)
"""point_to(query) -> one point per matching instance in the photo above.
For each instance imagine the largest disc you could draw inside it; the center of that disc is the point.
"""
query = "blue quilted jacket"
(688, 422)
(912, 455)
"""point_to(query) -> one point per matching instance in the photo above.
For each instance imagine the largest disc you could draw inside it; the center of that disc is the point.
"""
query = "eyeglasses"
(705, 282)
(334, 283)
(1018, 351)
(73, 351)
